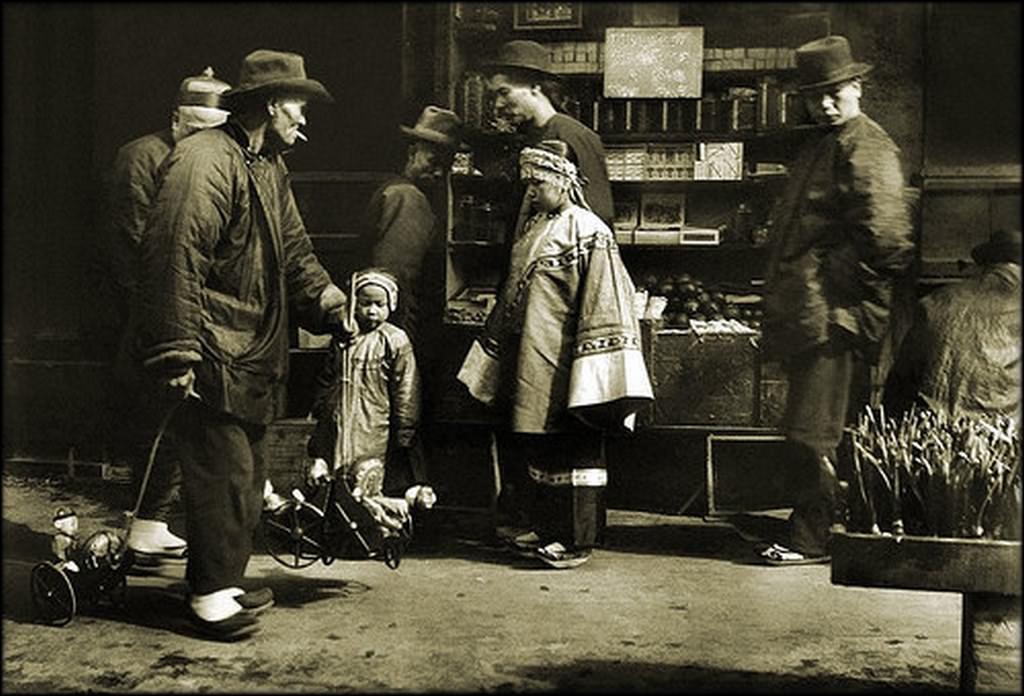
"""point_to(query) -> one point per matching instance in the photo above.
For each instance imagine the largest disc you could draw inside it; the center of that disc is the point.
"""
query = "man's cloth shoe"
(151, 540)
(558, 556)
(235, 627)
(150, 564)
(779, 555)
(508, 533)
(255, 601)
(527, 541)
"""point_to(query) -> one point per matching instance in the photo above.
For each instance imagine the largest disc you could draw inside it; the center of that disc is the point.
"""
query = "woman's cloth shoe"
(558, 556)
(779, 555)
(235, 627)
(255, 602)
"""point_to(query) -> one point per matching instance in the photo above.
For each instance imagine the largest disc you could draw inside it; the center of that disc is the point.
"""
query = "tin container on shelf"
(681, 115)
(708, 119)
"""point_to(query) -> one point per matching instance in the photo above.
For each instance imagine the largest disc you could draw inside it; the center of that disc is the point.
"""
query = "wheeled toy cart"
(95, 573)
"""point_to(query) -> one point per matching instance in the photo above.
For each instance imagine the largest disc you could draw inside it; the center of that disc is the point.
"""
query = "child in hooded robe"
(368, 422)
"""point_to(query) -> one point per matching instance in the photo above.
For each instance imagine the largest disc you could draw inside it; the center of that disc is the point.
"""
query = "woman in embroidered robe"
(560, 354)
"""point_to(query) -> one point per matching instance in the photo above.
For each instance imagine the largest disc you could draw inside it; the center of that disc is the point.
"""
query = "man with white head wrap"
(133, 187)
(560, 352)
(197, 106)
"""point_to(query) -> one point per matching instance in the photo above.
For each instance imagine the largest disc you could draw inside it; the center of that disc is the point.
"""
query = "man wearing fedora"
(403, 233)
(961, 356)
(842, 239)
(526, 92)
(132, 189)
(402, 225)
(226, 262)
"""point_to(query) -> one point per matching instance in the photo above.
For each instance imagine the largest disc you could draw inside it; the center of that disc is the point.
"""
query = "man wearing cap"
(526, 93)
(962, 353)
(226, 263)
(843, 237)
(399, 216)
(133, 188)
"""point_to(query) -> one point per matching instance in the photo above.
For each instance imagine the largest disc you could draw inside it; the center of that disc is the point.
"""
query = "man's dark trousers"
(223, 466)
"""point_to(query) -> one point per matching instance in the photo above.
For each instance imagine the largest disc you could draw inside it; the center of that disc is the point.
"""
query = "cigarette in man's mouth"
(301, 136)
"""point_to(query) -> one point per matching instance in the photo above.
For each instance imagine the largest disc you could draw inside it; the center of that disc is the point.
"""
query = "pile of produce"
(689, 299)
(930, 475)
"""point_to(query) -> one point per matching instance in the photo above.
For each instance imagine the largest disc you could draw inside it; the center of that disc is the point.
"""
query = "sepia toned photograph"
(355, 347)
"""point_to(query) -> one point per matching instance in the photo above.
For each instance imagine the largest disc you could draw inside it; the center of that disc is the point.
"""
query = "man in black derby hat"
(962, 354)
(226, 261)
(842, 239)
(528, 95)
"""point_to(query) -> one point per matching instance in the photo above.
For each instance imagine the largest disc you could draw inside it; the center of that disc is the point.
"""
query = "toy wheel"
(52, 594)
(291, 534)
(392, 552)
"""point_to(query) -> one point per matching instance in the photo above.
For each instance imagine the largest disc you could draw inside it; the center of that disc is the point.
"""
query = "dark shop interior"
(512, 346)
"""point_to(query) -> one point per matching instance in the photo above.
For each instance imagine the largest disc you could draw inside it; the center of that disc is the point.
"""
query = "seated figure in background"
(961, 356)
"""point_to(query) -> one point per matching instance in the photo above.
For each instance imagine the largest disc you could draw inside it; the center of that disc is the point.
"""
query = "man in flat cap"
(132, 190)
(226, 262)
(842, 240)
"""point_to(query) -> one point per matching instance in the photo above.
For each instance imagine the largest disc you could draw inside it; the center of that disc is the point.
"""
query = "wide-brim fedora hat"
(1002, 246)
(277, 71)
(827, 61)
(520, 54)
(439, 126)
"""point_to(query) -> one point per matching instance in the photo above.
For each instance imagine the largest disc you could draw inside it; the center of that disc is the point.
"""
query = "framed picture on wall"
(547, 15)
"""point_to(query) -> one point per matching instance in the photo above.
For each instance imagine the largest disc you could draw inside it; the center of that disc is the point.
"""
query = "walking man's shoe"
(255, 602)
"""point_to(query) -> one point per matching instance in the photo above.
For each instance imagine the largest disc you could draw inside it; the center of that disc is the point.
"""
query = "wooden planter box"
(986, 573)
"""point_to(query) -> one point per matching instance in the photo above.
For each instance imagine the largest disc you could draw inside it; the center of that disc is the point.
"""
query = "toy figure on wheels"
(84, 573)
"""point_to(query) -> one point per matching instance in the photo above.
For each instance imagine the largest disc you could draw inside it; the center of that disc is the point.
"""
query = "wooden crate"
(286, 445)
(927, 563)
(703, 380)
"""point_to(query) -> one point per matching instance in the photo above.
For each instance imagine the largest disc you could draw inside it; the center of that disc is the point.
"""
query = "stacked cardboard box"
(718, 59)
(568, 57)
